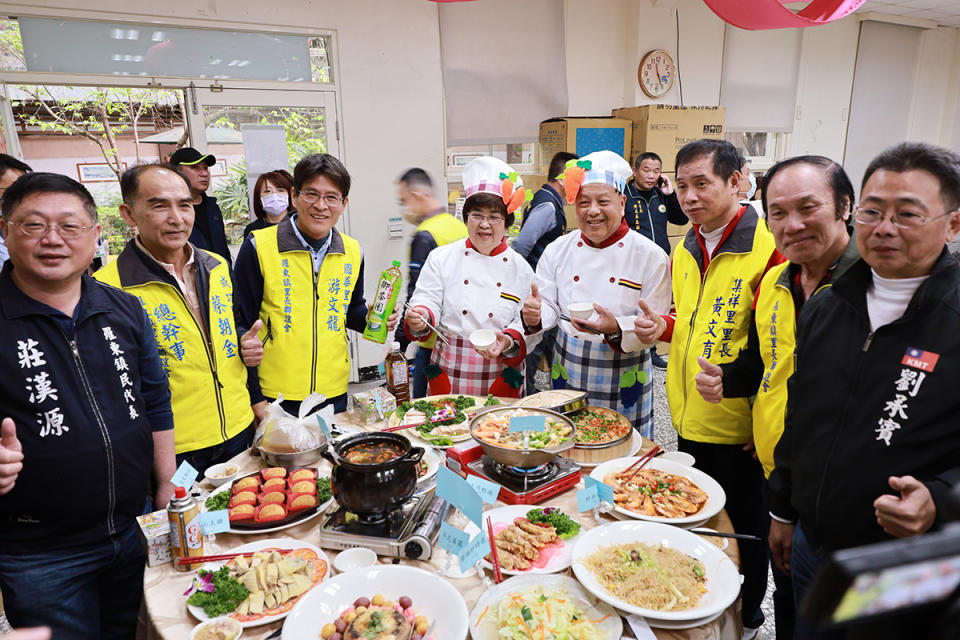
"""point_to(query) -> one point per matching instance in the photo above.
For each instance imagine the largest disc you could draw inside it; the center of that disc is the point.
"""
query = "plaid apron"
(469, 373)
(597, 369)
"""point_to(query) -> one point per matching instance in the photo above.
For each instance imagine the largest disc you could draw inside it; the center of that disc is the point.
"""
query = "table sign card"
(604, 491)
(488, 491)
(452, 539)
(588, 498)
(185, 476)
(528, 423)
(640, 627)
(478, 547)
(213, 522)
(324, 427)
(455, 490)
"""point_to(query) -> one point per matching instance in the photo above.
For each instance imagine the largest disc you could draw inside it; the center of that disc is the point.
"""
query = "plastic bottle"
(398, 375)
(386, 299)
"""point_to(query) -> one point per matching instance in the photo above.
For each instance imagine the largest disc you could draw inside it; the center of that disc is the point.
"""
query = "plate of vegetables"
(530, 541)
(259, 485)
(261, 585)
(553, 607)
(442, 421)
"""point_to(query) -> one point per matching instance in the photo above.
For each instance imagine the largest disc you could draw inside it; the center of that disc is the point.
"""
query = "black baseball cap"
(190, 156)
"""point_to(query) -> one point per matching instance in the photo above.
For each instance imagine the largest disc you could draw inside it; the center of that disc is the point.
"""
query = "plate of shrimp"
(663, 491)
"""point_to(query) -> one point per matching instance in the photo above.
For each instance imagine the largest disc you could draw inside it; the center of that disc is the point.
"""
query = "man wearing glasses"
(86, 422)
(302, 280)
(870, 445)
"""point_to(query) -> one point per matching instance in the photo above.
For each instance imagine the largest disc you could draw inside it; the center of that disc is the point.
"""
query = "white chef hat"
(494, 176)
(599, 167)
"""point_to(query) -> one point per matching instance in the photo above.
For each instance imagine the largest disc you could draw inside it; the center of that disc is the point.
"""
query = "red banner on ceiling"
(771, 14)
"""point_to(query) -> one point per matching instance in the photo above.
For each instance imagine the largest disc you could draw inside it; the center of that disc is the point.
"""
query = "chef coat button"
(619, 244)
(613, 280)
(579, 244)
(489, 315)
(498, 284)
(466, 282)
(576, 278)
(466, 253)
(464, 312)
(504, 259)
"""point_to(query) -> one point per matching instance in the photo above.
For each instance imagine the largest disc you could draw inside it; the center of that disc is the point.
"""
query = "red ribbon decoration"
(757, 15)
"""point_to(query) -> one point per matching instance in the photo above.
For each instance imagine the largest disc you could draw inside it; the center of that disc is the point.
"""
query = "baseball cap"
(190, 156)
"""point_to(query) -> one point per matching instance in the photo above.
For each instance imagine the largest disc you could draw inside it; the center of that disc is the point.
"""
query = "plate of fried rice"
(655, 570)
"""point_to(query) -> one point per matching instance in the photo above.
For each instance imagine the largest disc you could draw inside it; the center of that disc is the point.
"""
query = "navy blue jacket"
(208, 232)
(648, 212)
(546, 194)
(86, 396)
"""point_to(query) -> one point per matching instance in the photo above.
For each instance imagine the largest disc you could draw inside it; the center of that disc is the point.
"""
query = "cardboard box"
(582, 136)
(155, 537)
(664, 128)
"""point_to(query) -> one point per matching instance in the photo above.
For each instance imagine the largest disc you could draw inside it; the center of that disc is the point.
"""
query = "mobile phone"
(661, 181)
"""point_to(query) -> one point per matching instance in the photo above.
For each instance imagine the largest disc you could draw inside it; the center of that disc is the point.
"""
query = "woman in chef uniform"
(607, 264)
(477, 283)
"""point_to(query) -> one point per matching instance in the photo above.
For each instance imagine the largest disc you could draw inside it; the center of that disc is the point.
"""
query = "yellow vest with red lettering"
(304, 314)
(713, 321)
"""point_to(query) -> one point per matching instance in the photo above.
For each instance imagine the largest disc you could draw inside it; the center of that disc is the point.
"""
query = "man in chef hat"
(601, 271)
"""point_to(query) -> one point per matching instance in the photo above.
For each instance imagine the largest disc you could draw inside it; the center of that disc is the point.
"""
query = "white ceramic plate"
(635, 445)
(723, 581)
(432, 597)
(560, 559)
(485, 628)
(272, 543)
(432, 458)
(682, 624)
(245, 532)
(716, 497)
(414, 435)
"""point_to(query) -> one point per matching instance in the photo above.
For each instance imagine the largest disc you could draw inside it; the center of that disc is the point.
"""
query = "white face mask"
(275, 203)
(753, 187)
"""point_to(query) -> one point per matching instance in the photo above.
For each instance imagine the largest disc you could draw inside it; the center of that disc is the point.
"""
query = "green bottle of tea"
(386, 299)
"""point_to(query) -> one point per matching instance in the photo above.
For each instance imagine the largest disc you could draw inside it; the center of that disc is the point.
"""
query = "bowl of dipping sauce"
(222, 628)
(483, 339)
(580, 310)
(219, 474)
(355, 558)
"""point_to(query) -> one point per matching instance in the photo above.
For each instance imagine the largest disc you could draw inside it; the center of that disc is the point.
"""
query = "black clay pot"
(371, 491)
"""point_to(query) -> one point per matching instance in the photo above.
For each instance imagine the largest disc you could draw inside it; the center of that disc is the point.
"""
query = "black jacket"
(208, 232)
(648, 212)
(852, 388)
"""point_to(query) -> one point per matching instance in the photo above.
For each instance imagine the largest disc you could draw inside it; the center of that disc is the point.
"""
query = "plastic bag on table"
(280, 432)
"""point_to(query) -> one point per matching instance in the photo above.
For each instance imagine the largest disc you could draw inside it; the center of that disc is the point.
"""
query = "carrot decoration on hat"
(573, 177)
(599, 167)
(494, 176)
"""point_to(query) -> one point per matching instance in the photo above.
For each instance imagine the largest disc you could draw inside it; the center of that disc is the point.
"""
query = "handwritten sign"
(588, 498)
(185, 476)
(452, 539)
(488, 491)
(604, 491)
(478, 547)
(324, 427)
(213, 522)
(528, 423)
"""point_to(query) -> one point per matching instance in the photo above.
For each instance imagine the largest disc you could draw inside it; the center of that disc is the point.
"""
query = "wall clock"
(656, 73)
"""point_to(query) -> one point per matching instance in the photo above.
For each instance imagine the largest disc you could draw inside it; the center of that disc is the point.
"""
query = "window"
(762, 148)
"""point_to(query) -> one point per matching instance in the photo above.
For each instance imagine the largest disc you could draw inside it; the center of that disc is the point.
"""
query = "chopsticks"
(717, 534)
(401, 427)
(583, 328)
(182, 562)
(497, 575)
(440, 336)
(644, 459)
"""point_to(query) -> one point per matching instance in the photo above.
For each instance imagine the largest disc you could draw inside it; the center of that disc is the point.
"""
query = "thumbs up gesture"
(11, 456)
(251, 348)
(648, 325)
(531, 307)
(709, 381)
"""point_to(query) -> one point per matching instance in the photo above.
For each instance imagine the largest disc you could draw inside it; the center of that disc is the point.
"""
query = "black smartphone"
(661, 181)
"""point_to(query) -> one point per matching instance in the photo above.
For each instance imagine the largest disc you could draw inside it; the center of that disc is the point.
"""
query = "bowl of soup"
(373, 473)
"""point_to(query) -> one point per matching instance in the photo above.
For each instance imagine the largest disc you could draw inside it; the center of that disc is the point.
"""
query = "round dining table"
(167, 616)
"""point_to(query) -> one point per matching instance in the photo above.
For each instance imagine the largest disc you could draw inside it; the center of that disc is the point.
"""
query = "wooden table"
(168, 617)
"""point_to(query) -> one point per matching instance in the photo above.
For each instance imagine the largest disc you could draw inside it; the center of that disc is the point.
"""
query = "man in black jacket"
(208, 232)
(870, 432)
(651, 201)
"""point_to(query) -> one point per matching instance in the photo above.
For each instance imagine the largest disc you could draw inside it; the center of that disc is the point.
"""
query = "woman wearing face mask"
(272, 200)
(748, 186)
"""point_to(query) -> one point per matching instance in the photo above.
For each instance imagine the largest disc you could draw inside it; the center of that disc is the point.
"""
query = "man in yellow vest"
(809, 201)
(435, 228)
(188, 294)
(300, 287)
(716, 272)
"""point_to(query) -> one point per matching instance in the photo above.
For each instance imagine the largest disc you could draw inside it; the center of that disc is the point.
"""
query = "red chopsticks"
(401, 427)
(497, 575)
(644, 459)
(223, 556)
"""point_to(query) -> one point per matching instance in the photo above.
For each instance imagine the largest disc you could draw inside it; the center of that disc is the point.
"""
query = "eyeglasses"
(36, 229)
(329, 199)
(902, 219)
(477, 218)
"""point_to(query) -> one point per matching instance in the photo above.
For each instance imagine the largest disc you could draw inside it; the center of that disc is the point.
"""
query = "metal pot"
(293, 459)
(371, 491)
(523, 458)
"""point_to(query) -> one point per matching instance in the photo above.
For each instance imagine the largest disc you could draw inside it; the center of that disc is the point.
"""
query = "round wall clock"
(656, 73)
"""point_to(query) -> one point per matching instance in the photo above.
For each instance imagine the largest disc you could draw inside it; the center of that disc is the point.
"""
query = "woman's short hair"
(280, 178)
(487, 201)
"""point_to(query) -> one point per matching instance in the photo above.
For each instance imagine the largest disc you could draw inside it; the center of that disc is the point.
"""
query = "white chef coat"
(571, 270)
(466, 290)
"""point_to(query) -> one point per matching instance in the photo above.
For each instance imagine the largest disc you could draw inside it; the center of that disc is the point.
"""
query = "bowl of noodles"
(655, 570)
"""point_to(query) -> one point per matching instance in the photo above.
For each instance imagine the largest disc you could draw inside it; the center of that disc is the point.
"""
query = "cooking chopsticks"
(497, 575)
(644, 459)
(717, 534)
(401, 427)
(580, 328)
(223, 556)
(440, 336)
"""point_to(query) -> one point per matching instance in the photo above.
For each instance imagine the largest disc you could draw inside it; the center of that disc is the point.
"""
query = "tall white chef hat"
(603, 167)
(492, 175)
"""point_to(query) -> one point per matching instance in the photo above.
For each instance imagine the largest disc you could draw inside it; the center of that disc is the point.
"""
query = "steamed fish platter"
(656, 493)
(542, 613)
(377, 618)
(495, 430)
(649, 576)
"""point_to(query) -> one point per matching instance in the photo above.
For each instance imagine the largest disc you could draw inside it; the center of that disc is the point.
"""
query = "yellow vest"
(305, 314)
(445, 229)
(208, 381)
(713, 320)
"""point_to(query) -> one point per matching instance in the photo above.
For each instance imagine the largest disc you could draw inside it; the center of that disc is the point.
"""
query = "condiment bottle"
(387, 291)
(186, 539)
(398, 375)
